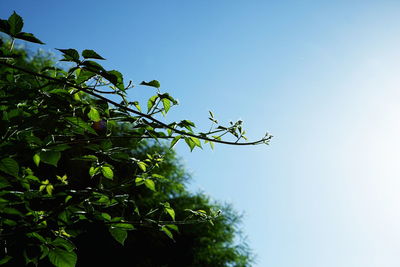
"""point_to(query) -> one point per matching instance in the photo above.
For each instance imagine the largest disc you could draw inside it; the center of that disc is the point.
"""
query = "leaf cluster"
(71, 158)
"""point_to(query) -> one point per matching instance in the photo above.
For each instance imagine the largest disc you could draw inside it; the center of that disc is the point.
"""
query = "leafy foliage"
(73, 160)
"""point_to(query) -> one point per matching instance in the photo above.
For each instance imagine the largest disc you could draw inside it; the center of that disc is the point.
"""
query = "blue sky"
(321, 76)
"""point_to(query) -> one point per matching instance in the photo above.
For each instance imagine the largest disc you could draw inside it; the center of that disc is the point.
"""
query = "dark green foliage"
(82, 174)
(13, 27)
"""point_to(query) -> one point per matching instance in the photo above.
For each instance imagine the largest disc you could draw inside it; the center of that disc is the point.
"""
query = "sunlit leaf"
(175, 140)
(167, 232)
(151, 102)
(49, 189)
(94, 115)
(142, 165)
(166, 103)
(139, 181)
(171, 212)
(190, 143)
(136, 104)
(107, 172)
(93, 171)
(196, 141)
(150, 184)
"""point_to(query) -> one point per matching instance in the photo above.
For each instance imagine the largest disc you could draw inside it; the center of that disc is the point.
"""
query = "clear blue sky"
(321, 76)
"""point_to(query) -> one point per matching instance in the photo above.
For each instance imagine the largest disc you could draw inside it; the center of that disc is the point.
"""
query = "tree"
(195, 244)
(74, 160)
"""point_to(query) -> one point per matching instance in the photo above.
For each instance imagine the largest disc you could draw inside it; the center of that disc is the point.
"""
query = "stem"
(12, 44)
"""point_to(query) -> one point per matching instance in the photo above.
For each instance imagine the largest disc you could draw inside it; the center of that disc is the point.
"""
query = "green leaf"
(93, 171)
(190, 143)
(37, 236)
(81, 124)
(12, 211)
(171, 212)
(5, 259)
(150, 184)
(170, 98)
(45, 251)
(151, 102)
(62, 258)
(62, 179)
(152, 83)
(136, 104)
(28, 37)
(9, 166)
(119, 234)
(50, 157)
(9, 222)
(106, 216)
(211, 144)
(167, 232)
(166, 103)
(69, 54)
(84, 75)
(3, 182)
(67, 198)
(187, 124)
(173, 227)
(94, 115)
(142, 165)
(93, 66)
(139, 181)
(64, 243)
(92, 158)
(175, 140)
(158, 176)
(87, 53)
(115, 77)
(16, 23)
(4, 26)
(125, 226)
(107, 172)
(60, 147)
(196, 141)
(49, 189)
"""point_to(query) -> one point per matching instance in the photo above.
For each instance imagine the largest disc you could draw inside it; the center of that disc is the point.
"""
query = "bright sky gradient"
(321, 76)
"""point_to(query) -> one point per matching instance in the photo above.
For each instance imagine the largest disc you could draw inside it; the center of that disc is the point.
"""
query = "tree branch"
(164, 125)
